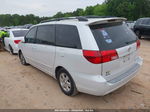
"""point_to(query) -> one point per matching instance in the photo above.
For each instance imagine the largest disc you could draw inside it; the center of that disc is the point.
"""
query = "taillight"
(92, 56)
(109, 55)
(98, 57)
(17, 41)
(138, 44)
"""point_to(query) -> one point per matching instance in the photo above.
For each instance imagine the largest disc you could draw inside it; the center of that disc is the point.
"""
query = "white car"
(15, 36)
(90, 55)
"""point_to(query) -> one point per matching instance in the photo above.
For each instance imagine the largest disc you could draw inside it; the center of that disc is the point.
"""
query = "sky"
(43, 7)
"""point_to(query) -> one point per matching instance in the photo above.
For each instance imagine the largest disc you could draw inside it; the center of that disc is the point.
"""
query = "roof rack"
(92, 16)
(79, 18)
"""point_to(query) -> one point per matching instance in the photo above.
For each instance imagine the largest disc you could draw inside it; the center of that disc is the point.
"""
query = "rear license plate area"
(126, 58)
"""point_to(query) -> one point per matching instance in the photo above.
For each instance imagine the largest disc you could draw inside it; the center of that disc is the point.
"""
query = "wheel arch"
(10, 45)
(57, 69)
(19, 52)
(75, 92)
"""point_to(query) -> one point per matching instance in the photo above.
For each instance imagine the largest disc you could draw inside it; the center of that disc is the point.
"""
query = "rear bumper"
(97, 85)
(16, 49)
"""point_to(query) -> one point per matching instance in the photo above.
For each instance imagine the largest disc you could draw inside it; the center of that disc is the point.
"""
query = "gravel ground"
(25, 87)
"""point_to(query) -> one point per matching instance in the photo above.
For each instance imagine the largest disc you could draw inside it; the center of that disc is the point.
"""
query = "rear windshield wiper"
(130, 42)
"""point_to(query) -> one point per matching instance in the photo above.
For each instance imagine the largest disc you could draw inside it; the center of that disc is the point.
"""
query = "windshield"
(112, 35)
(19, 33)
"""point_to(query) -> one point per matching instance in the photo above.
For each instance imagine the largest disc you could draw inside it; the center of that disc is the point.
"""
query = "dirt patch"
(25, 87)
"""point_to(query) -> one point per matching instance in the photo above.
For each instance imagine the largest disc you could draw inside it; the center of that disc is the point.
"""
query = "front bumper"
(97, 85)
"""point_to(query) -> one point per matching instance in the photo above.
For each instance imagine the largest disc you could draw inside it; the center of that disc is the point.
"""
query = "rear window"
(113, 36)
(20, 33)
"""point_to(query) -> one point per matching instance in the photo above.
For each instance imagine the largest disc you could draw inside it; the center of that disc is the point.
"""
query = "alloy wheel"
(65, 82)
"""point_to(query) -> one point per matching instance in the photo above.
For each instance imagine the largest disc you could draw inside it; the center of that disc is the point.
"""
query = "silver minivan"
(91, 55)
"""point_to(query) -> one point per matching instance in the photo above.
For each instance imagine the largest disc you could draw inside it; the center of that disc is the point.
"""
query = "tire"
(11, 50)
(137, 32)
(22, 59)
(66, 83)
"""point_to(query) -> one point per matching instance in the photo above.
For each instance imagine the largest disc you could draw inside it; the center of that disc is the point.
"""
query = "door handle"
(62, 56)
(61, 50)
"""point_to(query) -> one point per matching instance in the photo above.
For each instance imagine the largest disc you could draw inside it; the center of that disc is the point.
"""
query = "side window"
(138, 22)
(67, 36)
(144, 22)
(46, 35)
(30, 37)
(148, 21)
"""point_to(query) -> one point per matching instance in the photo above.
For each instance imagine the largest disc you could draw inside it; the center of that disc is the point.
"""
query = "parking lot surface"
(25, 87)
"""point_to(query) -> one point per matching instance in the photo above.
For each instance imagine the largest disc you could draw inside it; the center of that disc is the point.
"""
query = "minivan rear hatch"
(116, 36)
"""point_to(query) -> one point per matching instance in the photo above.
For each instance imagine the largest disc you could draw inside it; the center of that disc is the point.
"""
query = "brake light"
(92, 56)
(109, 55)
(138, 44)
(98, 57)
(17, 41)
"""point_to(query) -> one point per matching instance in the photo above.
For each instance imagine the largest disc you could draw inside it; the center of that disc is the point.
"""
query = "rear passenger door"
(44, 49)
(68, 50)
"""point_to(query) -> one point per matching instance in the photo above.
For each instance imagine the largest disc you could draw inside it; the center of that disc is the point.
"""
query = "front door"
(28, 45)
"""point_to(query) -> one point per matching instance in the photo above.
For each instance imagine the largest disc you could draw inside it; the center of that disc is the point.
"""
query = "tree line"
(130, 9)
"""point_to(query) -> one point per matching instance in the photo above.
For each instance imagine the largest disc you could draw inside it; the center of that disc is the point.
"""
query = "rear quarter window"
(112, 36)
(67, 36)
